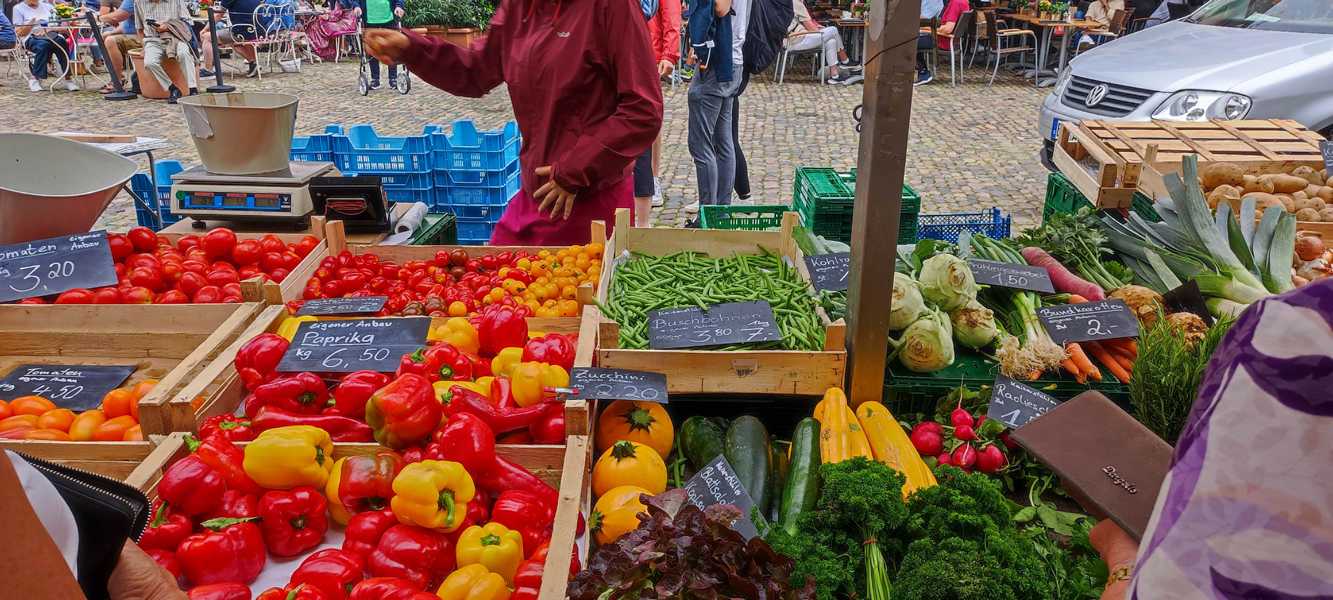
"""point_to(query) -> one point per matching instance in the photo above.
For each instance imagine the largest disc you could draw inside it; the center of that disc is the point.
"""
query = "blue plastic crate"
(361, 150)
(418, 181)
(143, 187)
(490, 213)
(466, 148)
(409, 195)
(474, 232)
(484, 195)
(475, 177)
(318, 147)
(948, 226)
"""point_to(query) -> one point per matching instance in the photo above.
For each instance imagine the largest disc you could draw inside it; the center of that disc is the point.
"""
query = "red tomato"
(191, 282)
(222, 264)
(121, 247)
(146, 277)
(162, 241)
(290, 260)
(209, 294)
(247, 252)
(106, 295)
(272, 260)
(221, 277)
(121, 270)
(196, 266)
(171, 272)
(231, 289)
(166, 254)
(75, 296)
(142, 260)
(271, 243)
(219, 243)
(278, 274)
(249, 271)
(458, 257)
(143, 239)
(231, 299)
(138, 295)
(196, 254)
(306, 244)
(31, 301)
(172, 297)
(187, 242)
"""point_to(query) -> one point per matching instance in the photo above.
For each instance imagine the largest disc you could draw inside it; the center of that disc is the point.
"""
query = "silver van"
(1230, 59)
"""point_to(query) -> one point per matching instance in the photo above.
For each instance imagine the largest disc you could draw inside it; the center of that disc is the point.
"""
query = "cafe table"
(1048, 28)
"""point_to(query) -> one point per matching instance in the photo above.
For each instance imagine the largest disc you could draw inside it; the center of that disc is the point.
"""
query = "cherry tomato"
(306, 245)
(190, 283)
(472, 266)
(146, 277)
(113, 430)
(489, 262)
(188, 242)
(172, 297)
(272, 260)
(272, 243)
(247, 252)
(143, 239)
(121, 248)
(75, 296)
(30, 405)
(106, 295)
(138, 295)
(209, 294)
(458, 257)
(219, 243)
(504, 258)
(221, 277)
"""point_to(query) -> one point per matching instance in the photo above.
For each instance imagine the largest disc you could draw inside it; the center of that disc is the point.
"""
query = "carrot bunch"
(1117, 356)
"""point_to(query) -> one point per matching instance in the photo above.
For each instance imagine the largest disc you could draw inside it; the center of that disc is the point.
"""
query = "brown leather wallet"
(1110, 463)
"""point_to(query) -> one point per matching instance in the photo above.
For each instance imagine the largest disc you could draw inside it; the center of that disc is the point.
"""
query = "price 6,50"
(33, 274)
(343, 356)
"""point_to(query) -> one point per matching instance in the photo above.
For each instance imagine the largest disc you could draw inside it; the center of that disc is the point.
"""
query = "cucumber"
(747, 451)
(801, 489)
(701, 440)
(778, 458)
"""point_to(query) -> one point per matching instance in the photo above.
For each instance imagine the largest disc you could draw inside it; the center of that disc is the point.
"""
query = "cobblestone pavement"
(972, 146)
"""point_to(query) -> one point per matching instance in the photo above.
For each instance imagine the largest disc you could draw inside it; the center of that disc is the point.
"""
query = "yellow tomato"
(569, 292)
(457, 309)
(524, 263)
(595, 248)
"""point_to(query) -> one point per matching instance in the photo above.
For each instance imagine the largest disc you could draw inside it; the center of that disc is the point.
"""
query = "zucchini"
(801, 489)
(701, 440)
(778, 458)
(747, 451)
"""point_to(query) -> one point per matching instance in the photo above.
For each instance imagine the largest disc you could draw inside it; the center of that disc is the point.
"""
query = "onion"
(1309, 247)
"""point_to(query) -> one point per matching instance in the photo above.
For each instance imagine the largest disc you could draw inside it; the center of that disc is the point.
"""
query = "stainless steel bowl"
(241, 133)
(52, 186)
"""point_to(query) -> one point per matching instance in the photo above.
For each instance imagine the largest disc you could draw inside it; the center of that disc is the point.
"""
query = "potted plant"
(1046, 8)
(455, 21)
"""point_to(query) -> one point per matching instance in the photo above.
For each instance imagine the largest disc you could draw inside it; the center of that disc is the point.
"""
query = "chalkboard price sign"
(717, 483)
(54, 265)
(343, 306)
(1102, 320)
(828, 272)
(723, 324)
(1014, 404)
(1019, 277)
(344, 346)
(594, 383)
(76, 387)
(1326, 148)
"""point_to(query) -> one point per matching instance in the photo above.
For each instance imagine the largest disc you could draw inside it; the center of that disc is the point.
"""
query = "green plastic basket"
(825, 199)
(439, 229)
(906, 392)
(748, 218)
(1063, 197)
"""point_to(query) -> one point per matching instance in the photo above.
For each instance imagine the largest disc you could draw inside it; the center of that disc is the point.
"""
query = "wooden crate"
(171, 343)
(564, 467)
(116, 460)
(709, 371)
(223, 391)
(291, 288)
(1106, 159)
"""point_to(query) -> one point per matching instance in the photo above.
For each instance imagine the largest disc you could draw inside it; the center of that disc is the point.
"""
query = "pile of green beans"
(834, 303)
(645, 283)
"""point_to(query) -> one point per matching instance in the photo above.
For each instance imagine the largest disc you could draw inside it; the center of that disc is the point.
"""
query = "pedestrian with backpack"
(664, 35)
(712, 91)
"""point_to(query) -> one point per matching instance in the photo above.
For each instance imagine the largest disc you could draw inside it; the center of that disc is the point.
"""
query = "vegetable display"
(116, 419)
(1167, 379)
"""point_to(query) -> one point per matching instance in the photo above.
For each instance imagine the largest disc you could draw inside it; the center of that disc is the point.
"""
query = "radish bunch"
(959, 444)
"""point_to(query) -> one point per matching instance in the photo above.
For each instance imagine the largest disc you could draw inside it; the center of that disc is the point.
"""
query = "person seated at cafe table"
(125, 38)
(166, 33)
(8, 39)
(241, 13)
(30, 19)
(805, 34)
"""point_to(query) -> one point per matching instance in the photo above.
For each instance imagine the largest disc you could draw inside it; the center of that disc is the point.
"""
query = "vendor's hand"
(138, 577)
(387, 45)
(398, 12)
(551, 195)
(665, 67)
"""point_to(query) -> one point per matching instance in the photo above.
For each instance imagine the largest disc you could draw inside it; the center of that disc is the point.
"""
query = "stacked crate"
(403, 163)
(475, 175)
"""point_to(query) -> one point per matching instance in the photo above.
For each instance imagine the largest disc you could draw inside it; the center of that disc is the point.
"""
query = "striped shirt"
(159, 11)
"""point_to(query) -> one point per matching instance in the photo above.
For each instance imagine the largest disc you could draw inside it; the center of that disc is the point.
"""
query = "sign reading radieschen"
(76, 387)
(344, 346)
(723, 324)
(828, 272)
(54, 265)
(593, 383)
(717, 483)
(343, 306)
(1102, 320)
(1019, 277)
(1014, 404)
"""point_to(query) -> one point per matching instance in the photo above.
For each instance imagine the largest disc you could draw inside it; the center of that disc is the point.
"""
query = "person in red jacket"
(585, 94)
(664, 33)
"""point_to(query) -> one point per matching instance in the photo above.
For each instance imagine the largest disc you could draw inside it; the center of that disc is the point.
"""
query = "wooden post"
(890, 69)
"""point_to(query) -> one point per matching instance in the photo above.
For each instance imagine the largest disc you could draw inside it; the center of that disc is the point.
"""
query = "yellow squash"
(840, 434)
(891, 446)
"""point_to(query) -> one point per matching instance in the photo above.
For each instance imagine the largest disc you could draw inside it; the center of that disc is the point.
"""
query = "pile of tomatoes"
(115, 420)
(453, 283)
(205, 269)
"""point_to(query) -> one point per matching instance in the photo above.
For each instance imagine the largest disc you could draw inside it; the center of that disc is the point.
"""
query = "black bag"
(768, 26)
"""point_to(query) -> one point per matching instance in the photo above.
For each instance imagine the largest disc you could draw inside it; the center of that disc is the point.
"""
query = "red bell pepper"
(251, 405)
(352, 393)
(478, 513)
(524, 512)
(303, 393)
(226, 458)
(166, 530)
(331, 570)
(220, 591)
(293, 591)
(528, 578)
(191, 487)
(168, 561)
(341, 429)
(419, 555)
(467, 440)
(500, 420)
(293, 521)
(480, 368)
(237, 505)
(364, 530)
(553, 348)
(508, 475)
(502, 393)
(439, 362)
(550, 427)
(231, 427)
(389, 588)
(403, 413)
(365, 482)
(257, 361)
(501, 327)
(515, 437)
(229, 550)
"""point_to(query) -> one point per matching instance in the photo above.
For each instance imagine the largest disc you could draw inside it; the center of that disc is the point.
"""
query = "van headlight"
(1062, 81)
(1198, 105)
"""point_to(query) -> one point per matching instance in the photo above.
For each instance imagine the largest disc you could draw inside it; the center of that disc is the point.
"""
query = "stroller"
(404, 81)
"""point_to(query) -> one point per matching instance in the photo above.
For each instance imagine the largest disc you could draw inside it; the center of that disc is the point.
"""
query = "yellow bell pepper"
(481, 386)
(286, 457)
(530, 380)
(506, 360)
(473, 582)
(432, 494)
(459, 333)
(493, 546)
(288, 327)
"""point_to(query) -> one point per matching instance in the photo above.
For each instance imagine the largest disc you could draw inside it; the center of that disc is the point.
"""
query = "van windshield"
(1304, 16)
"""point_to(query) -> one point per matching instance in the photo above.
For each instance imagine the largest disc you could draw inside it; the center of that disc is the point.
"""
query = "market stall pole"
(890, 43)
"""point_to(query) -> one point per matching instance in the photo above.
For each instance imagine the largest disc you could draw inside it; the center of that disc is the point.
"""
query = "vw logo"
(1096, 95)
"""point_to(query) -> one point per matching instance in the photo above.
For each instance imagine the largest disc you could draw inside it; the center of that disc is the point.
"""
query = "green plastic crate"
(825, 199)
(748, 218)
(1063, 197)
(906, 392)
(436, 230)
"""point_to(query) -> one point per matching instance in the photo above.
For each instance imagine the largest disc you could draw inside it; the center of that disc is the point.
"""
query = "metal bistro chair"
(1114, 29)
(958, 45)
(1000, 34)
(784, 59)
(18, 61)
(268, 31)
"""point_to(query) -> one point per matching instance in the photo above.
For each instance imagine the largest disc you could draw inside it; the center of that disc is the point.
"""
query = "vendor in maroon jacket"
(586, 95)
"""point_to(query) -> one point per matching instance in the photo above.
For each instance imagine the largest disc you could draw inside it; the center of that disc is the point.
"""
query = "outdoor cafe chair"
(784, 59)
(1002, 40)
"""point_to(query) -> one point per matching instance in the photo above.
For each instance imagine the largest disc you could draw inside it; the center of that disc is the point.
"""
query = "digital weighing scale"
(282, 196)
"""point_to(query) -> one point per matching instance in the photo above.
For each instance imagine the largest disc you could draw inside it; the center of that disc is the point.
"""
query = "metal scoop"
(51, 186)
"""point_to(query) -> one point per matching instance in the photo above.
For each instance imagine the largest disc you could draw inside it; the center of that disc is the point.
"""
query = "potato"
(1286, 202)
(1262, 201)
(1253, 183)
(1319, 204)
(1301, 195)
(1215, 174)
(1308, 174)
(1285, 184)
(1326, 193)
(1307, 214)
(1304, 203)
(1326, 215)
(1329, 183)
(1227, 192)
